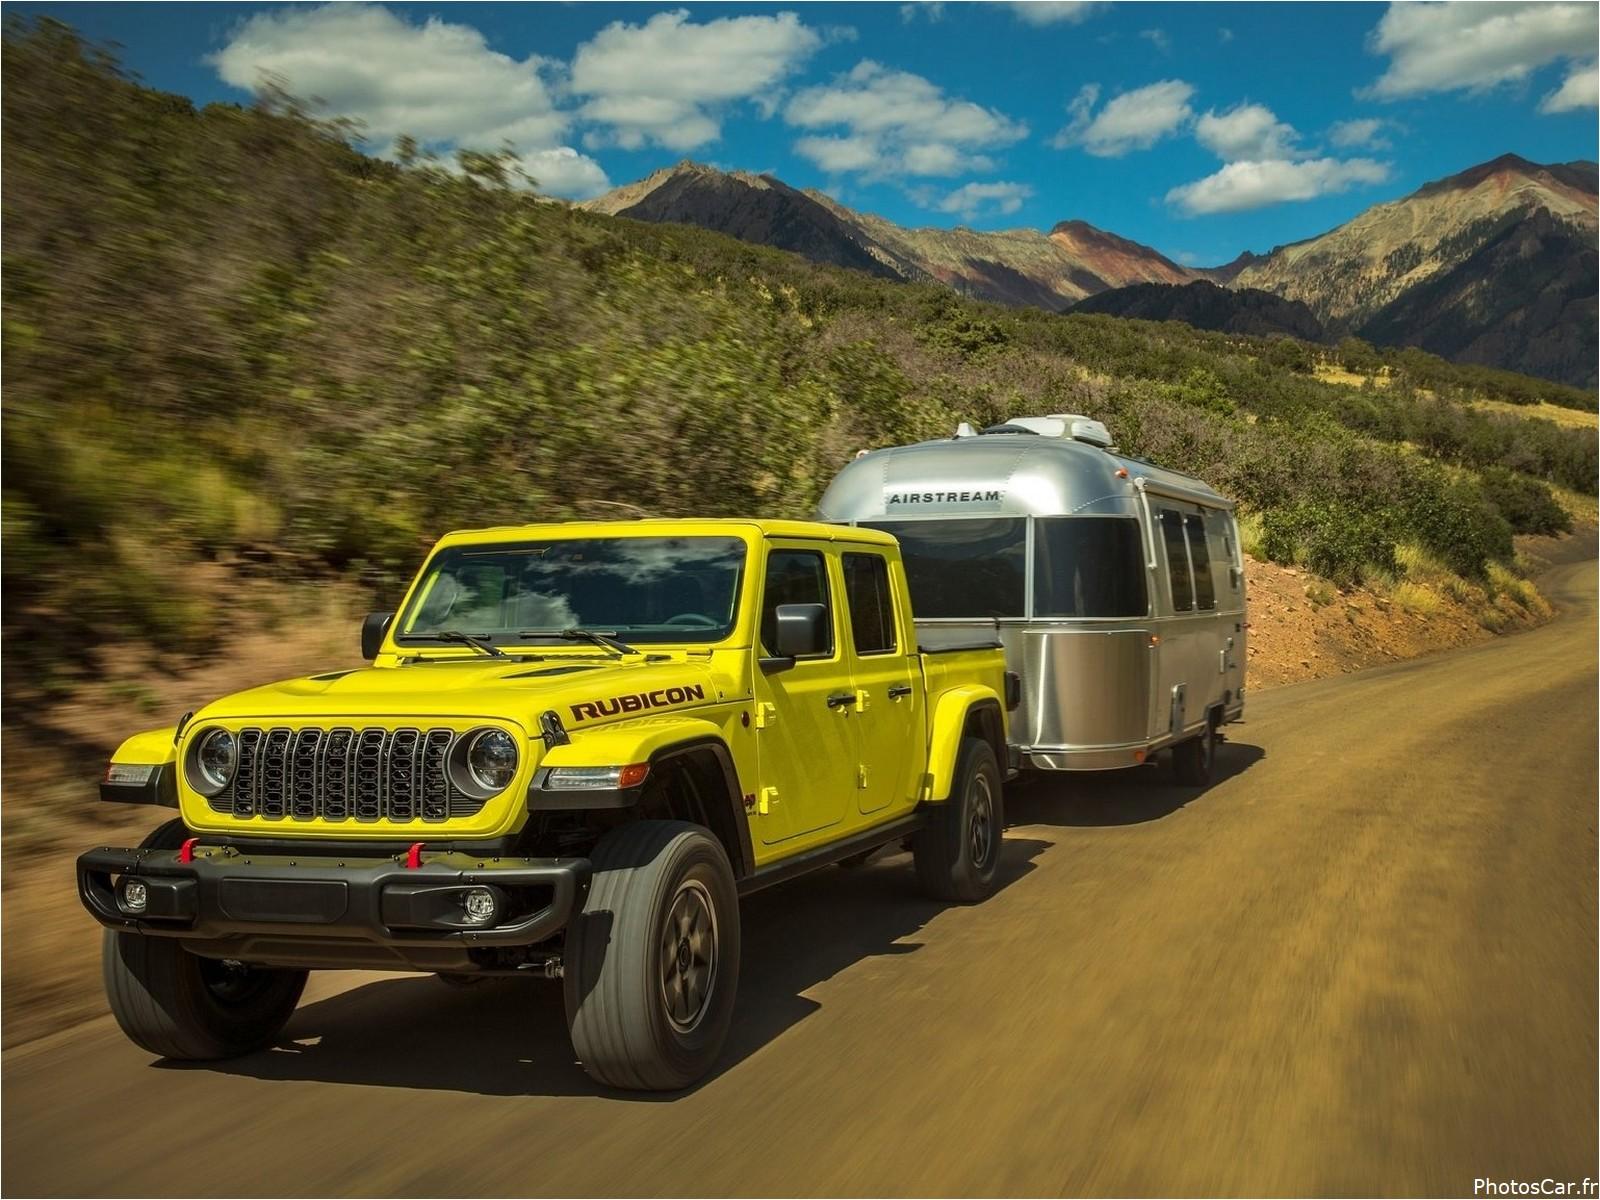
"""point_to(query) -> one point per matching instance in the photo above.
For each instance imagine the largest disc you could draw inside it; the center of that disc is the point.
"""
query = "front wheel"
(180, 1006)
(652, 962)
(957, 853)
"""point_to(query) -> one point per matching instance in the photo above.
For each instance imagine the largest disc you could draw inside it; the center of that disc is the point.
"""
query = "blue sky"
(1200, 129)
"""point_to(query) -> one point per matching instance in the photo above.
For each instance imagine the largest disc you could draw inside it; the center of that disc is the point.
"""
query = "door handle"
(841, 699)
(900, 689)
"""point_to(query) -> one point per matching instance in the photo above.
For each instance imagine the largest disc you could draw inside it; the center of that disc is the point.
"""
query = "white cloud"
(931, 9)
(1157, 38)
(1134, 120)
(896, 123)
(1244, 185)
(1581, 89)
(1054, 12)
(1475, 46)
(665, 81)
(1224, 34)
(974, 200)
(562, 171)
(1359, 131)
(840, 155)
(1246, 131)
(436, 82)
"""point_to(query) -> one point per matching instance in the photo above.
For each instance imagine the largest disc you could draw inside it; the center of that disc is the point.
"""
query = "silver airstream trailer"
(1116, 586)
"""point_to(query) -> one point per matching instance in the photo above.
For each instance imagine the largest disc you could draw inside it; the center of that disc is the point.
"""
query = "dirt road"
(1364, 961)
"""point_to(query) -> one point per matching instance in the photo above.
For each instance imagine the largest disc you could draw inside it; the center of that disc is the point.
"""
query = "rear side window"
(1177, 560)
(1088, 567)
(1204, 587)
(793, 577)
(866, 591)
(968, 567)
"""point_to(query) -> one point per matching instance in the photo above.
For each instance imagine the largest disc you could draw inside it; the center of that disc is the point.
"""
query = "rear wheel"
(181, 1006)
(652, 962)
(957, 853)
(1192, 760)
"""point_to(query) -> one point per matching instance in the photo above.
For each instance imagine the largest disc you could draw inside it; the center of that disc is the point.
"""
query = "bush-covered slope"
(235, 344)
(1204, 305)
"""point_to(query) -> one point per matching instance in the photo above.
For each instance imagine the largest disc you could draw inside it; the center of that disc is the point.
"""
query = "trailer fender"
(961, 712)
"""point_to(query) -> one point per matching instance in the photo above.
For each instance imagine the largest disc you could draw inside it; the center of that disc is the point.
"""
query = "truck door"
(883, 666)
(806, 746)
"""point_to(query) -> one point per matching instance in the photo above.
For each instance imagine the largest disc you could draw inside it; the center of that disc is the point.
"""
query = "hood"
(582, 690)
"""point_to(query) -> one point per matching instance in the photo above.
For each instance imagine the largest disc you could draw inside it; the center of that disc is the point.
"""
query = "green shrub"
(1525, 503)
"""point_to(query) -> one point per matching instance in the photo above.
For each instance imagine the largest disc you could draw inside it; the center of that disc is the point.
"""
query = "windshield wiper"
(481, 644)
(607, 641)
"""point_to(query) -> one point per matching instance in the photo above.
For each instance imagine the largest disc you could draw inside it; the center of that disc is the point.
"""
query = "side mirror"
(372, 630)
(802, 630)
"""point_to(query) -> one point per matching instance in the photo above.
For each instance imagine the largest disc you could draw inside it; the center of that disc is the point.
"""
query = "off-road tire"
(1192, 760)
(958, 851)
(180, 1006)
(622, 960)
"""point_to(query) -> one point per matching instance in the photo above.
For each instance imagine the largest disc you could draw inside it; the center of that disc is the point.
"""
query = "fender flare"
(949, 726)
(658, 742)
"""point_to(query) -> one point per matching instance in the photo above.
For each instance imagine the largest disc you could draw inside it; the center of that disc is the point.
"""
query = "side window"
(793, 577)
(1204, 587)
(1221, 524)
(1177, 560)
(866, 588)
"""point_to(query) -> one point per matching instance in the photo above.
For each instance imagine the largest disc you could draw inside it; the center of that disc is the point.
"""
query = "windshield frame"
(400, 642)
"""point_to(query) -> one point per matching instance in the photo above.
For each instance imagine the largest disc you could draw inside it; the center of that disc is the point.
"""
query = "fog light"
(135, 895)
(480, 905)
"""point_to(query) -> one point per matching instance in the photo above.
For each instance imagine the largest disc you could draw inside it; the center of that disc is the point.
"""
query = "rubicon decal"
(979, 496)
(593, 710)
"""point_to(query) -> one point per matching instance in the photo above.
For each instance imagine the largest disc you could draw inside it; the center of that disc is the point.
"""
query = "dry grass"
(1505, 584)
(1582, 507)
(1251, 535)
(1332, 373)
(1416, 599)
(1569, 418)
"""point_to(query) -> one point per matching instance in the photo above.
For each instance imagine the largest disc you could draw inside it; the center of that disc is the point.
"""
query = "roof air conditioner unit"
(1066, 425)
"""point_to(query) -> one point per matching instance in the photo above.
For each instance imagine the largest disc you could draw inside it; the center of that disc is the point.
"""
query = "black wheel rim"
(233, 983)
(980, 822)
(688, 956)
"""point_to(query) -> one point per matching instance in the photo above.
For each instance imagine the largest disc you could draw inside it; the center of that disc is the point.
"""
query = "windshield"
(644, 589)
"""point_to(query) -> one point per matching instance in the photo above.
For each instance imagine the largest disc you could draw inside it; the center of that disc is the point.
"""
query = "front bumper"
(227, 895)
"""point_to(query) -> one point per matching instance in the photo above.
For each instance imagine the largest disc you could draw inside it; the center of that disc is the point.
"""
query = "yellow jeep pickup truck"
(576, 747)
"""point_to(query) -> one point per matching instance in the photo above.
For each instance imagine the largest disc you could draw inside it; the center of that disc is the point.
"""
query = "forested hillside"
(235, 345)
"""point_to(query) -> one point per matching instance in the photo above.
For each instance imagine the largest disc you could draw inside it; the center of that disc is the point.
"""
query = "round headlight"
(492, 759)
(213, 761)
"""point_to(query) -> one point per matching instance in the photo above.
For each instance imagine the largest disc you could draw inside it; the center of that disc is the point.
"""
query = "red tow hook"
(414, 856)
(186, 851)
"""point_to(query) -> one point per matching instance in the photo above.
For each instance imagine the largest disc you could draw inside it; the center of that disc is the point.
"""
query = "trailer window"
(866, 591)
(963, 568)
(1088, 567)
(1177, 560)
(1200, 554)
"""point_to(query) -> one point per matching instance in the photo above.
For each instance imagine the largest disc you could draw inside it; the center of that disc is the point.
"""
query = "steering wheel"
(696, 620)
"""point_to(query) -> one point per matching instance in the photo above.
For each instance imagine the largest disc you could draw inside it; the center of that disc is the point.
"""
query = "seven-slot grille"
(344, 774)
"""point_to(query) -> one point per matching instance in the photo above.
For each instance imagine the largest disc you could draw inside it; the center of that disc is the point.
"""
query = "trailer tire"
(652, 961)
(958, 851)
(1192, 759)
(183, 1007)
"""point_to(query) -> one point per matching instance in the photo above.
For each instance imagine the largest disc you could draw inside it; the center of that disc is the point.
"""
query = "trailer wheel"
(184, 1007)
(652, 962)
(1192, 759)
(958, 851)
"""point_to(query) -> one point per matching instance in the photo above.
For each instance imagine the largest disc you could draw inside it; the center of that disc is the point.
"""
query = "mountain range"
(1495, 265)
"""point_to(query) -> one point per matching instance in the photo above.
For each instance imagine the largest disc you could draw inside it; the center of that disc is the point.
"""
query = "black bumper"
(224, 894)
